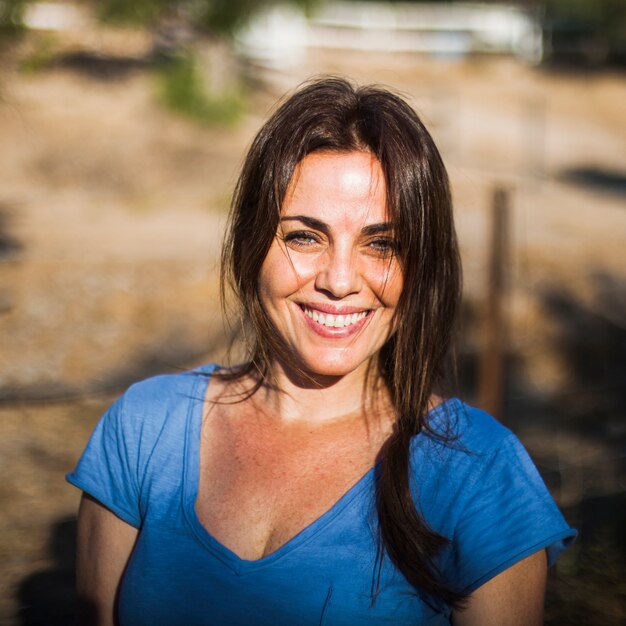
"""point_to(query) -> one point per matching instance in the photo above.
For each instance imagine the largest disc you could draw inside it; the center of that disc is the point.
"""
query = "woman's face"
(331, 279)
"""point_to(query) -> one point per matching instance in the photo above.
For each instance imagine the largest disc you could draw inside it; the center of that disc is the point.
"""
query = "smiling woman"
(323, 480)
(330, 281)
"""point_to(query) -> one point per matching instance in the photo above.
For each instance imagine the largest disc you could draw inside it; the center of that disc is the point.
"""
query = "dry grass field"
(111, 213)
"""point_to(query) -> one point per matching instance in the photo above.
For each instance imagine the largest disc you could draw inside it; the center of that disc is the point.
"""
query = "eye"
(300, 238)
(383, 246)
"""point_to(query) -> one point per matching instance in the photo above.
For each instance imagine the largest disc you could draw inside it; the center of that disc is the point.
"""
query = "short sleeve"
(508, 514)
(108, 468)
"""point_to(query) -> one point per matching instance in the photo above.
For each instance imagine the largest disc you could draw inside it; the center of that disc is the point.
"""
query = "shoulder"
(164, 389)
(459, 426)
(135, 436)
(146, 405)
(458, 445)
(477, 485)
(466, 455)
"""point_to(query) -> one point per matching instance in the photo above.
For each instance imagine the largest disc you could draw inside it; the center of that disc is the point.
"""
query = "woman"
(323, 481)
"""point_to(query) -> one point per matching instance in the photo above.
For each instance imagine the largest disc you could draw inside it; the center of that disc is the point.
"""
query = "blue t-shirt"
(480, 490)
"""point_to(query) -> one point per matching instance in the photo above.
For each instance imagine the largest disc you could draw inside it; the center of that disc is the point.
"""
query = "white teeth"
(334, 321)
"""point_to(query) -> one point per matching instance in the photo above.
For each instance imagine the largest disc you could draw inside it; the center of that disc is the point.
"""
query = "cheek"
(388, 283)
(283, 274)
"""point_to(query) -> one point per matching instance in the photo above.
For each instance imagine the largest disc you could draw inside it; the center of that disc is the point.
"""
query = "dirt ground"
(111, 213)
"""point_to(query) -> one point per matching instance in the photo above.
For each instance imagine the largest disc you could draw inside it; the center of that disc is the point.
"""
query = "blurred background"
(122, 127)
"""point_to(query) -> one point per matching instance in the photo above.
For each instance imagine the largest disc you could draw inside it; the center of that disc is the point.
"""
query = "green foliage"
(225, 16)
(596, 11)
(11, 16)
(219, 16)
(403, 1)
(606, 19)
(42, 55)
(182, 90)
(132, 11)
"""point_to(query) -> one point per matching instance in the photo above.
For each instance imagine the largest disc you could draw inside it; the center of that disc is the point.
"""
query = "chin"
(335, 367)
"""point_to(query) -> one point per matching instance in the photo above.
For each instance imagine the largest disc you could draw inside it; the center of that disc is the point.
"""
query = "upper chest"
(262, 483)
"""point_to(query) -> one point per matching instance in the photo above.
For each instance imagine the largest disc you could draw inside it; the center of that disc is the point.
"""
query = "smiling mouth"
(335, 321)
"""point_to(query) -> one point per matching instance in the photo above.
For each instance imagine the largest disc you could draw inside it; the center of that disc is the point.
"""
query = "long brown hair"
(331, 115)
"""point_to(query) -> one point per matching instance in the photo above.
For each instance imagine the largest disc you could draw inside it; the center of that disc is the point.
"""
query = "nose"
(339, 274)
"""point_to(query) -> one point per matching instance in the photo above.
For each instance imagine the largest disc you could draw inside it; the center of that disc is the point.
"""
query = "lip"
(333, 310)
(329, 332)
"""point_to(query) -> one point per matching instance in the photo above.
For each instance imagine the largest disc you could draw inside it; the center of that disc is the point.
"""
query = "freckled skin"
(333, 253)
(265, 476)
(341, 265)
(263, 481)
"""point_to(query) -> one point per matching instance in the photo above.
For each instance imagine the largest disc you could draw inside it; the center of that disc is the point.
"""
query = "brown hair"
(331, 115)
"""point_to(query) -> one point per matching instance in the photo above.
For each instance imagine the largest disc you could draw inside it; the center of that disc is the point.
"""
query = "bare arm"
(104, 543)
(513, 598)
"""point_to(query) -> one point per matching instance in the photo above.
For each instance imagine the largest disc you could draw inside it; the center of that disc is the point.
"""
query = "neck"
(325, 399)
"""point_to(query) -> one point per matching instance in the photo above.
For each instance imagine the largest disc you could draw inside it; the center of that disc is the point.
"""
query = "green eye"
(300, 238)
(384, 246)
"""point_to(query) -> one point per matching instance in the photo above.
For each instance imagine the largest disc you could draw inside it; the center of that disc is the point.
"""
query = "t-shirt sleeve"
(507, 515)
(108, 468)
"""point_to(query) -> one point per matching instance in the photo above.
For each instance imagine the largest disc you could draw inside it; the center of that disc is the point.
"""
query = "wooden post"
(492, 361)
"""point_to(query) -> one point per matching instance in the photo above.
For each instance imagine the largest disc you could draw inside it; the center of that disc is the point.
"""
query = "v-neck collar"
(191, 477)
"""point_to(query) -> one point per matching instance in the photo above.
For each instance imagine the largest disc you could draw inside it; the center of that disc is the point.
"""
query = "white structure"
(457, 29)
(56, 16)
(276, 38)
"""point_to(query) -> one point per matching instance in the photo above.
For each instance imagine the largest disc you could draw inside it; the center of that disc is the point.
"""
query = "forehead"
(329, 185)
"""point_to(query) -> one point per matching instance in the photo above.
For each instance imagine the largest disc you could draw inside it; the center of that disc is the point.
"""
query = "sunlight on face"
(331, 279)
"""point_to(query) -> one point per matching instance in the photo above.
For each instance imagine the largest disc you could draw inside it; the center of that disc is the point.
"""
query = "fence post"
(492, 359)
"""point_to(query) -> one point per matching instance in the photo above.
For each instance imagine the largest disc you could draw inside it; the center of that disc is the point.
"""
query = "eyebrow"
(311, 222)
